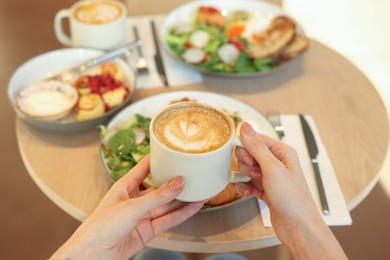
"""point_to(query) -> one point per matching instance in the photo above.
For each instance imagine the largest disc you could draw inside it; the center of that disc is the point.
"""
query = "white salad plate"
(150, 106)
(261, 11)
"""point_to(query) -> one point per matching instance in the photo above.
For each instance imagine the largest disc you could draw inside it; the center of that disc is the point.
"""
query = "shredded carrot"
(256, 37)
(235, 30)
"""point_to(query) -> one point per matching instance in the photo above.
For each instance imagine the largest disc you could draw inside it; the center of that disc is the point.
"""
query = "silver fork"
(140, 64)
(273, 117)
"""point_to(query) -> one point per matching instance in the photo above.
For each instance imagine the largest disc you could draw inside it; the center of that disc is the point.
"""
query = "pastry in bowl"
(89, 106)
(100, 90)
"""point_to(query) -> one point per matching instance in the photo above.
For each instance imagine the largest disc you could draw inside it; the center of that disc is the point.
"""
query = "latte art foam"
(98, 13)
(192, 128)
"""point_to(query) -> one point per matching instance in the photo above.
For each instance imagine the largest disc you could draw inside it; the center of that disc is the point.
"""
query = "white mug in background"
(97, 24)
(193, 140)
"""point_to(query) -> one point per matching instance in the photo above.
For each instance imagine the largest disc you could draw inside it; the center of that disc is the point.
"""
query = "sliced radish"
(193, 55)
(199, 39)
(228, 53)
(140, 135)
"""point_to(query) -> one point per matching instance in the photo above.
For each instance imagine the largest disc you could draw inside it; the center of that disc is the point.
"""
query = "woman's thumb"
(256, 146)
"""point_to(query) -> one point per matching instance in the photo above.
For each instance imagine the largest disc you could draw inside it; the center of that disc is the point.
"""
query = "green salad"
(123, 148)
(217, 47)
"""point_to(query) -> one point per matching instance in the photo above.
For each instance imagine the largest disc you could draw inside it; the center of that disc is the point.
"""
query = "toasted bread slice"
(297, 46)
(273, 40)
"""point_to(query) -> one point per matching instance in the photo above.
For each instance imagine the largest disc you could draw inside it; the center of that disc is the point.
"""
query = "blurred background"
(32, 227)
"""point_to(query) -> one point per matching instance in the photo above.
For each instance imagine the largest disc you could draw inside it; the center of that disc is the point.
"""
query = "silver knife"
(313, 153)
(157, 56)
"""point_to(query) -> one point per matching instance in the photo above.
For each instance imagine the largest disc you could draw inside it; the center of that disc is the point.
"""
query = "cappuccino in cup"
(98, 12)
(193, 140)
(192, 128)
(98, 24)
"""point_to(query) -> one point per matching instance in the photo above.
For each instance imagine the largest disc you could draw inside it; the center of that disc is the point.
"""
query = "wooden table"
(348, 111)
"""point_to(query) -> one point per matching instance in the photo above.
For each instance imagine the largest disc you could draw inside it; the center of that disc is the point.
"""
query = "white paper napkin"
(339, 214)
(177, 74)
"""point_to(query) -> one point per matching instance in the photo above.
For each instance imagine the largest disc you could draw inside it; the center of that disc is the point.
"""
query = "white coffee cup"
(204, 162)
(97, 24)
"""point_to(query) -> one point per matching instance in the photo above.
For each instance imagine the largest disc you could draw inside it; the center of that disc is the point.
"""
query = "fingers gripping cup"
(193, 140)
(98, 24)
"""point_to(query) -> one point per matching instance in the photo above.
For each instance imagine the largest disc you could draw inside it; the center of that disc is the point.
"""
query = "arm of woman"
(277, 178)
(127, 219)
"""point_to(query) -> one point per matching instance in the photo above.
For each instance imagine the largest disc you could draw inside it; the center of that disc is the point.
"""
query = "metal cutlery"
(273, 117)
(140, 64)
(313, 153)
(69, 74)
(157, 57)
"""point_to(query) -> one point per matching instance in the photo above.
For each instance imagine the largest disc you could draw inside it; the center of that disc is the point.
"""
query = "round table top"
(349, 115)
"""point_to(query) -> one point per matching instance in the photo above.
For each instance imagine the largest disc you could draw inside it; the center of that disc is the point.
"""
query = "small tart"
(89, 106)
(114, 97)
(47, 99)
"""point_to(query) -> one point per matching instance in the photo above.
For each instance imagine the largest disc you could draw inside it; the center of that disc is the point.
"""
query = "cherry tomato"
(239, 45)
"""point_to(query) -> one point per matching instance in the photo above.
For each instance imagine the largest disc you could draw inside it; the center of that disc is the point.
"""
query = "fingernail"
(177, 183)
(247, 160)
(247, 129)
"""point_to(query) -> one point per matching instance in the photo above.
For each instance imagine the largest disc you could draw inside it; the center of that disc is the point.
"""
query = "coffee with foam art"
(193, 140)
(192, 128)
(98, 12)
(97, 24)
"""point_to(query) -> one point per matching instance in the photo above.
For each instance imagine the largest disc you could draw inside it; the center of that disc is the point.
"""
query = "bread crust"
(273, 40)
(228, 194)
(297, 46)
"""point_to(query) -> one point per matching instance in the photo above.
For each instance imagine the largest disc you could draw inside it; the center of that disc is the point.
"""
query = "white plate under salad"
(261, 14)
(150, 106)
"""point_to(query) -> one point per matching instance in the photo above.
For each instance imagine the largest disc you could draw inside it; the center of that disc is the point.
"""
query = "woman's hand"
(127, 219)
(277, 178)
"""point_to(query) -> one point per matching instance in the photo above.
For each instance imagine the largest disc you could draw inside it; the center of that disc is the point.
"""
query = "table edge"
(221, 247)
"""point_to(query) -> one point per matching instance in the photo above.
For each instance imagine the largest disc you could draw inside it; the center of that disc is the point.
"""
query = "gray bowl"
(48, 64)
